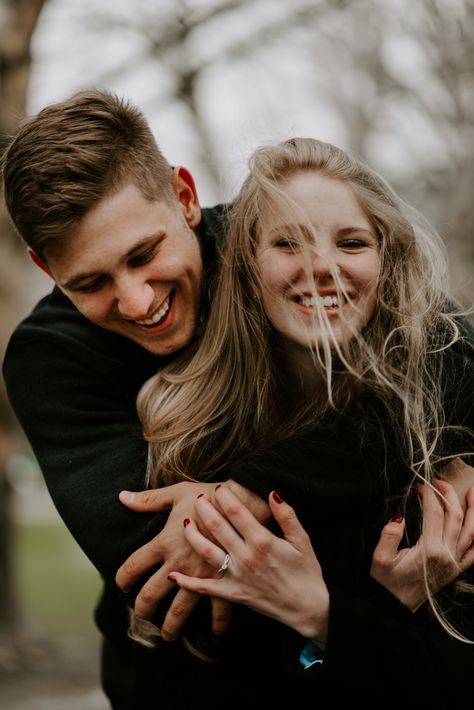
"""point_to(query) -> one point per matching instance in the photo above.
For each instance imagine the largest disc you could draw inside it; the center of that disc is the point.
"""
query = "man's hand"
(171, 550)
(444, 550)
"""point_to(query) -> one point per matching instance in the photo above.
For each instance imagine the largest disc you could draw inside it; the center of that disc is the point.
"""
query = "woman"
(331, 324)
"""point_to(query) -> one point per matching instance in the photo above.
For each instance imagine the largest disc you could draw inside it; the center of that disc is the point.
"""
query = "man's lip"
(161, 324)
(139, 321)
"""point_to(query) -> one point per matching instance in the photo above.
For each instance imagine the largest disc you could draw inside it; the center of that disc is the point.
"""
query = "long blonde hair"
(211, 406)
(216, 403)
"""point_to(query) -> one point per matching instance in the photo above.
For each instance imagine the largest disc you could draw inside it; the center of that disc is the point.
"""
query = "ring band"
(225, 564)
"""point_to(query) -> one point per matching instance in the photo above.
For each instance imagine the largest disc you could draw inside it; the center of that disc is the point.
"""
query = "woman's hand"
(278, 577)
(443, 551)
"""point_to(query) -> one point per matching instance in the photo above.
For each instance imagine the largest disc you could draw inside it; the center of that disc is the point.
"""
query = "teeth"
(158, 316)
(326, 301)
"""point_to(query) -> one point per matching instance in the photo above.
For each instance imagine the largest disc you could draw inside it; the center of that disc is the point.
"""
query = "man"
(133, 256)
(122, 234)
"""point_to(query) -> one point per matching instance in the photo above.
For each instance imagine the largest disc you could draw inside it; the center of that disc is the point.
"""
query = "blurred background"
(392, 81)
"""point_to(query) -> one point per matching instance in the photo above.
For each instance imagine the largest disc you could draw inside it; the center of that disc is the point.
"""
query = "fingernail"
(171, 578)
(277, 497)
(127, 496)
(397, 518)
(186, 521)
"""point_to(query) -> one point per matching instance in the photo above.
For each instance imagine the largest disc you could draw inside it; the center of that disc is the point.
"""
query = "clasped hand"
(266, 570)
(171, 550)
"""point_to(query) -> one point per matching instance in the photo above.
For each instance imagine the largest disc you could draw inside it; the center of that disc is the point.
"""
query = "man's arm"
(76, 414)
(73, 389)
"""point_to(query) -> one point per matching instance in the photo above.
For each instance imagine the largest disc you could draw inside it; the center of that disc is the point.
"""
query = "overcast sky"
(245, 103)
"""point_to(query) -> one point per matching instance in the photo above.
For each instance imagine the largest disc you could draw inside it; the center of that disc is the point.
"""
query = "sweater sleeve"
(72, 403)
(376, 646)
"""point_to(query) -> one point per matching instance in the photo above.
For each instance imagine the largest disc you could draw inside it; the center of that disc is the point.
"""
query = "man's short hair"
(70, 155)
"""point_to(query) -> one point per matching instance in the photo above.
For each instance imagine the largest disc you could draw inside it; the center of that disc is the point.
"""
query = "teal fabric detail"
(310, 655)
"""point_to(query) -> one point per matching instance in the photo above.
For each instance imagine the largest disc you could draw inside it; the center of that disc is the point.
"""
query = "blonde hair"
(217, 403)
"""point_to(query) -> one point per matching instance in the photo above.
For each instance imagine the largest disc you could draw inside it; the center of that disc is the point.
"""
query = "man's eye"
(90, 287)
(144, 258)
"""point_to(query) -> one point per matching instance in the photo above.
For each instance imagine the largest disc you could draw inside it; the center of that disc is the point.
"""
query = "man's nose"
(135, 298)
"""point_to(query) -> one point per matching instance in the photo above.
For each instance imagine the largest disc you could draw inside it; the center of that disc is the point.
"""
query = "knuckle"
(220, 616)
(147, 596)
(130, 568)
(178, 610)
(262, 545)
(214, 525)
(154, 549)
(379, 559)
(249, 563)
(232, 509)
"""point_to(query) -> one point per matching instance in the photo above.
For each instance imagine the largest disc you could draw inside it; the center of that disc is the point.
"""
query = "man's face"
(134, 267)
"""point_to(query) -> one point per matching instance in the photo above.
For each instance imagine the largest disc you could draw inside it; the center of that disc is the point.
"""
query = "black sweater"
(73, 388)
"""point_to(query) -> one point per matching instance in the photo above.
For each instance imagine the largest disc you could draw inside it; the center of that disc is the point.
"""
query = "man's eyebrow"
(79, 278)
(144, 242)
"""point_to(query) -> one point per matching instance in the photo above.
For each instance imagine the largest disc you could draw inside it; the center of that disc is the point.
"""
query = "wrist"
(315, 626)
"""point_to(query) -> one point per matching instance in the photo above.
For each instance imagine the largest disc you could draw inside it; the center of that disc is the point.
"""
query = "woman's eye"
(286, 243)
(353, 244)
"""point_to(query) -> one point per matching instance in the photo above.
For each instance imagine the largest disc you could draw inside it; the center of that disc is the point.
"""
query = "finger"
(139, 562)
(202, 586)
(454, 516)
(239, 523)
(152, 500)
(288, 521)
(180, 609)
(465, 549)
(205, 548)
(391, 537)
(229, 522)
(151, 594)
(433, 518)
(221, 615)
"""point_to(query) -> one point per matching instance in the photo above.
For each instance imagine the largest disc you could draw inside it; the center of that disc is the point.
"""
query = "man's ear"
(185, 191)
(36, 260)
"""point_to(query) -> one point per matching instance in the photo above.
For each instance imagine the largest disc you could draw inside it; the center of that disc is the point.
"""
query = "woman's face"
(297, 280)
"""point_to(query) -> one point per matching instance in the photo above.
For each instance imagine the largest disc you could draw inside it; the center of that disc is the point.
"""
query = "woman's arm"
(281, 577)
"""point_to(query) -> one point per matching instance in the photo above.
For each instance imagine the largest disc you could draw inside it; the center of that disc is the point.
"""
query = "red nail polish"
(277, 497)
(397, 518)
(186, 521)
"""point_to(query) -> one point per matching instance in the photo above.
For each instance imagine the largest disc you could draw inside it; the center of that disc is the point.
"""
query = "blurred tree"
(397, 76)
(18, 19)
(405, 71)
